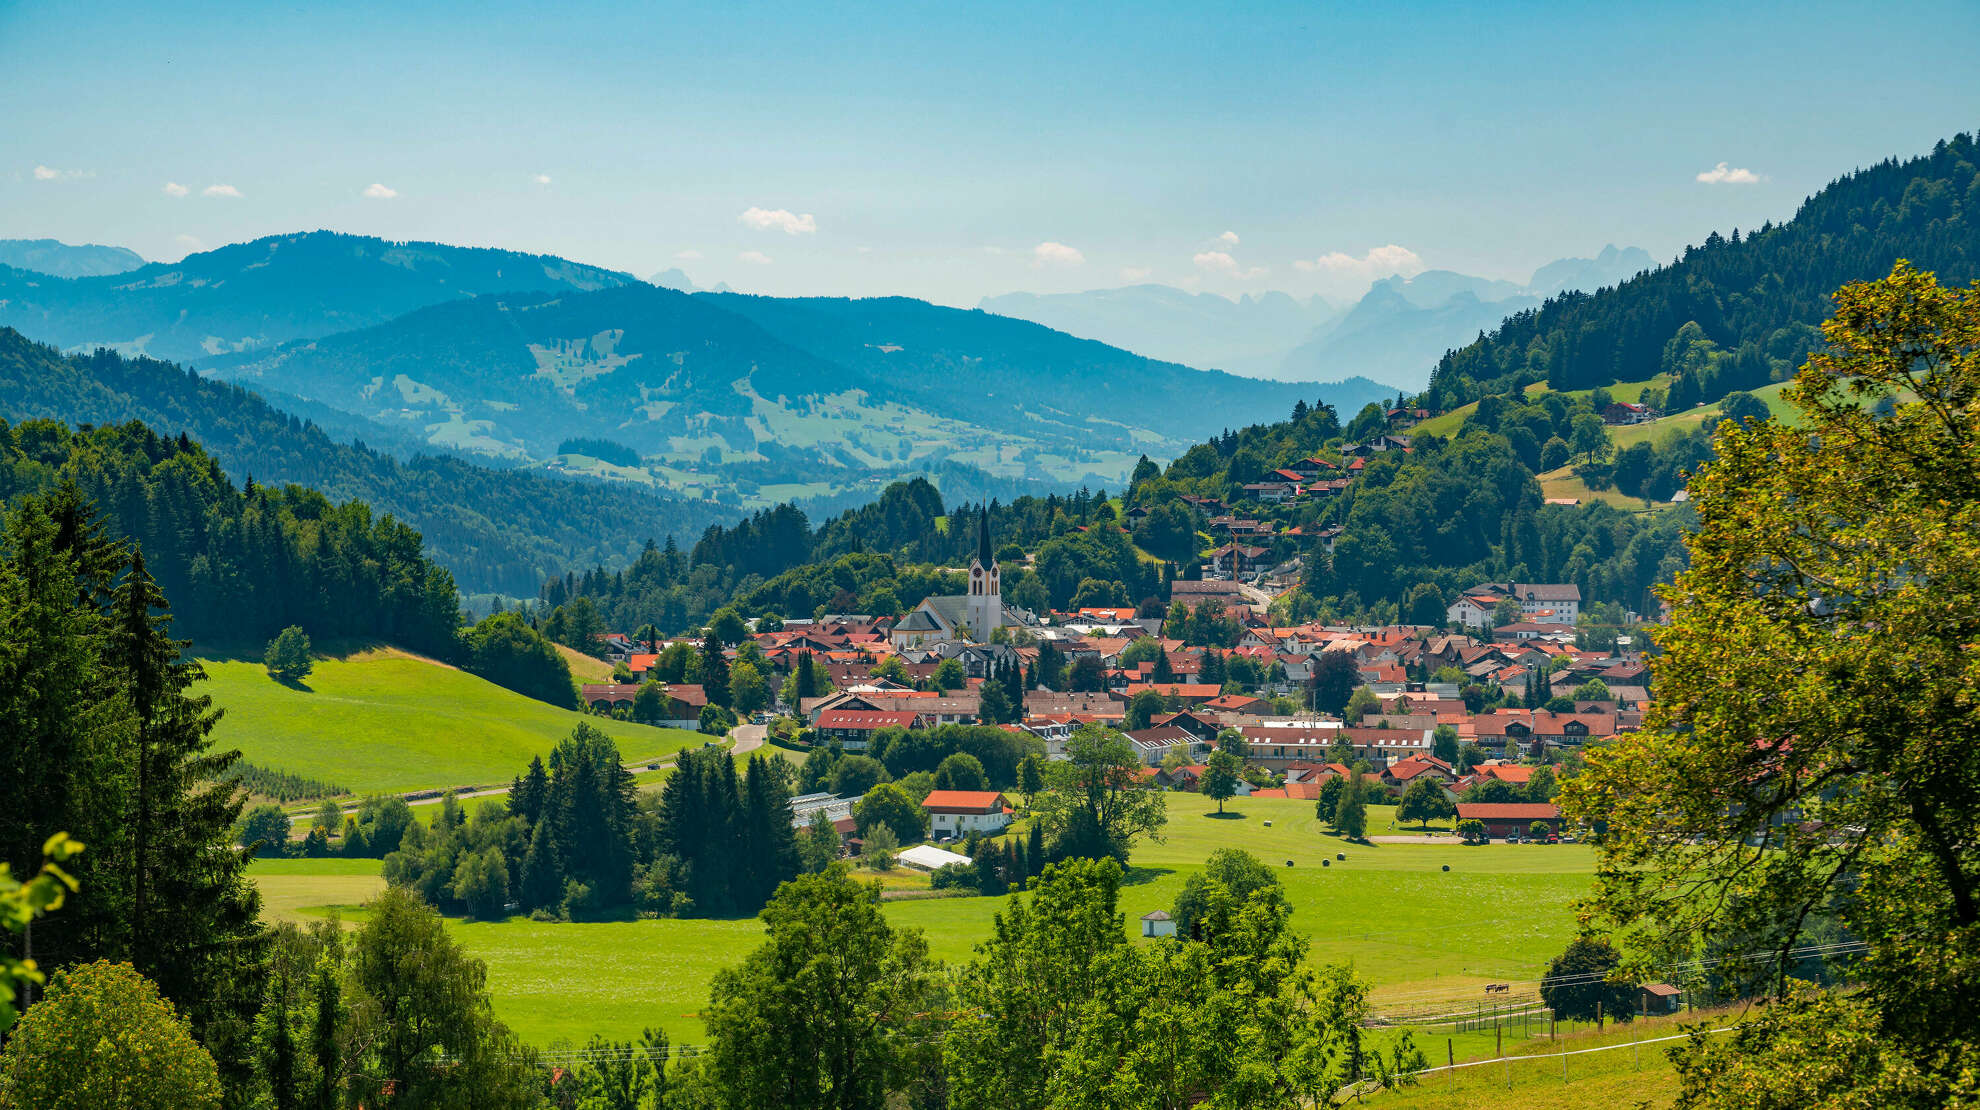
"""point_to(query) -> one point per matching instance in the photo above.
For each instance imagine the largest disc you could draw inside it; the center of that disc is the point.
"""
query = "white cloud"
(375, 191)
(174, 189)
(779, 219)
(1721, 174)
(1221, 262)
(754, 258)
(1049, 253)
(1228, 238)
(541, 179)
(50, 173)
(221, 191)
(688, 255)
(1135, 273)
(1379, 262)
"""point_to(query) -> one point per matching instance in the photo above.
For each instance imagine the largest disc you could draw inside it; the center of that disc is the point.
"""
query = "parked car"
(1553, 838)
(1513, 839)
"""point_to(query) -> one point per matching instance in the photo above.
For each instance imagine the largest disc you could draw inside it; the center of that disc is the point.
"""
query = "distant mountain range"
(248, 296)
(57, 259)
(742, 399)
(1395, 334)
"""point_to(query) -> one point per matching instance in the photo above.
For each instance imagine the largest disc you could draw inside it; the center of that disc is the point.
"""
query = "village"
(1492, 708)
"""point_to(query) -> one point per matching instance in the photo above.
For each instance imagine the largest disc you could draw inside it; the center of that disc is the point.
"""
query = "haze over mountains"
(1395, 334)
(58, 259)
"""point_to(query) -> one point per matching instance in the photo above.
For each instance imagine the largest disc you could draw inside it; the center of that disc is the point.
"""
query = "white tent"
(928, 857)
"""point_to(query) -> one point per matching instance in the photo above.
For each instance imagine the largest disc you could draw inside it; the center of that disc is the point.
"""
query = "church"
(969, 618)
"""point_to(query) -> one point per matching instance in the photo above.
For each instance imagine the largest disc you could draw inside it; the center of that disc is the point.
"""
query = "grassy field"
(1426, 938)
(384, 720)
(1564, 483)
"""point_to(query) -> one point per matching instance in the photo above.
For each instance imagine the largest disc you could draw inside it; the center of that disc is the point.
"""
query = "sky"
(951, 151)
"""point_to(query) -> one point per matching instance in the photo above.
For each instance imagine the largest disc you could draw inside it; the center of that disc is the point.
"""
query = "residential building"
(955, 813)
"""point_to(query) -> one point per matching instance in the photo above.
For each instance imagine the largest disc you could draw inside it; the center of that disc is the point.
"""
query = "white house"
(1158, 923)
(961, 812)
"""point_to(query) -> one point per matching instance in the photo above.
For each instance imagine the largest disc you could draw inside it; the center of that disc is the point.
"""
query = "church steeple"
(983, 555)
(985, 602)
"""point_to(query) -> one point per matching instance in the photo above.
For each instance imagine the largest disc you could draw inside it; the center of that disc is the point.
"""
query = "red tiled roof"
(974, 801)
(1502, 811)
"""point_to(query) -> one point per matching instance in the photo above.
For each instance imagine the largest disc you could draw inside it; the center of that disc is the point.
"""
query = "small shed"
(1661, 998)
(1158, 923)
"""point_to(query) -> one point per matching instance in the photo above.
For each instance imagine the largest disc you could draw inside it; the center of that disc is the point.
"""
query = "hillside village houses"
(1258, 689)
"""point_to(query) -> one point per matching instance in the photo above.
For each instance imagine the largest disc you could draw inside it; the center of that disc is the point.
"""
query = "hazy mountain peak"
(59, 259)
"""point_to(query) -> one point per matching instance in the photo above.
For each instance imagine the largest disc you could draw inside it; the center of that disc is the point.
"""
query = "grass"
(1417, 932)
(1564, 483)
(301, 891)
(382, 720)
(1622, 1076)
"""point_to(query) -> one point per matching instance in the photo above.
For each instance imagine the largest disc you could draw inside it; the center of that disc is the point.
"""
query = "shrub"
(956, 875)
(1472, 831)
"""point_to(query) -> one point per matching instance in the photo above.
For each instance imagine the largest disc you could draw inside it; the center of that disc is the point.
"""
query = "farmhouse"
(960, 812)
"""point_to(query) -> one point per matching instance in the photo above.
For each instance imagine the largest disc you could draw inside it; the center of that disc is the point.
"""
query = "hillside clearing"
(384, 720)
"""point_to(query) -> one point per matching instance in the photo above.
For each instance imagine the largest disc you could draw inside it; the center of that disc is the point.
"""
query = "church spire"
(983, 539)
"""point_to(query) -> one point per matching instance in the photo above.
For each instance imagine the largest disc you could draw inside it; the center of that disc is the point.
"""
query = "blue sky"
(950, 151)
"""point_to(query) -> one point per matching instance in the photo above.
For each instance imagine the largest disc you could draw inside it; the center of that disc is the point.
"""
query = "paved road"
(748, 738)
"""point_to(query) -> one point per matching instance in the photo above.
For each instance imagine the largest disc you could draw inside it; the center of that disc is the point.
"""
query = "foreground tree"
(1220, 778)
(1811, 739)
(104, 1038)
(827, 1012)
(1351, 812)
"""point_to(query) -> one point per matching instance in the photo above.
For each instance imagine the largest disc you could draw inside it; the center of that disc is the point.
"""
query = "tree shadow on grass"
(1227, 815)
(296, 684)
(1136, 876)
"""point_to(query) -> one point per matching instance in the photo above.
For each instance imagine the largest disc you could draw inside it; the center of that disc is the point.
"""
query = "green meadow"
(1426, 938)
(382, 720)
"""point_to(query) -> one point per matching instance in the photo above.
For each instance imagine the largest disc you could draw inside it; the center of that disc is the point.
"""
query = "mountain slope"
(496, 530)
(760, 399)
(58, 259)
(251, 295)
(1395, 334)
(1754, 301)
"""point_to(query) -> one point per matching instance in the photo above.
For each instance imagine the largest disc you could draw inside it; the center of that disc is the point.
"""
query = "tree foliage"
(1811, 738)
(105, 1037)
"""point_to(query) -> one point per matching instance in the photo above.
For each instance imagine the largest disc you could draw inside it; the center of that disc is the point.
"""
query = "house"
(1271, 493)
(1238, 558)
(1627, 412)
(1553, 602)
(954, 813)
(607, 696)
(1158, 923)
(1473, 610)
(1510, 818)
(853, 729)
(1405, 771)
(1153, 745)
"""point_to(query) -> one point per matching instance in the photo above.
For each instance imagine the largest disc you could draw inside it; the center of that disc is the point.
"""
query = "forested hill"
(1756, 298)
(249, 295)
(240, 563)
(496, 530)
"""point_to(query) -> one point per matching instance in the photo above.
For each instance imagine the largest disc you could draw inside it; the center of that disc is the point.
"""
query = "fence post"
(1450, 1057)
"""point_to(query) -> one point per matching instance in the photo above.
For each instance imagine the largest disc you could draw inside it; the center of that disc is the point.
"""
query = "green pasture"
(382, 720)
(1423, 936)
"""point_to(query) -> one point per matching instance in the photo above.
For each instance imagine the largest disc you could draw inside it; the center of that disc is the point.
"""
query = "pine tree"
(714, 671)
(995, 708)
(1035, 851)
(529, 792)
(542, 884)
(189, 898)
